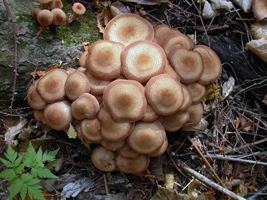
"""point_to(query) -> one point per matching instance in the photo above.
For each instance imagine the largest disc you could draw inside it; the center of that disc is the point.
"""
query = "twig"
(173, 162)
(15, 52)
(257, 194)
(206, 161)
(106, 184)
(210, 183)
(221, 157)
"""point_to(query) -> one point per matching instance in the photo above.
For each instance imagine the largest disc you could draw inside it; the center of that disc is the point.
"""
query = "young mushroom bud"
(55, 4)
(127, 152)
(175, 122)
(34, 99)
(58, 115)
(45, 18)
(90, 130)
(44, 3)
(35, 12)
(59, 16)
(195, 114)
(78, 10)
(103, 159)
(197, 92)
(113, 146)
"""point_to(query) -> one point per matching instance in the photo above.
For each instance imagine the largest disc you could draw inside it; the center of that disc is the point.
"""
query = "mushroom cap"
(161, 31)
(195, 114)
(55, 4)
(132, 165)
(70, 70)
(51, 86)
(142, 60)
(83, 59)
(113, 146)
(187, 99)
(187, 64)
(103, 159)
(197, 92)
(35, 12)
(59, 16)
(150, 114)
(43, 1)
(125, 100)
(78, 8)
(45, 18)
(111, 130)
(80, 135)
(104, 59)
(174, 39)
(260, 9)
(34, 99)
(164, 94)
(170, 71)
(85, 107)
(58, 115)
(175, 122)
(161, 150)
(76, 84)
(146, 137)
(97, 86)
(38, 115)
(128, 28)
(127, 152)
(211, 63)
(90, 129)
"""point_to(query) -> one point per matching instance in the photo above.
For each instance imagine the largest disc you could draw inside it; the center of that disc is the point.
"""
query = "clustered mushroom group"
(52, 13)
(131, 87)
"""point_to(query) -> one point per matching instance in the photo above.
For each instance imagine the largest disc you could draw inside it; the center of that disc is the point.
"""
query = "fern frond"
(42, 172)
(35, 192)
(49, 156)
(15, 188)
(11, 154)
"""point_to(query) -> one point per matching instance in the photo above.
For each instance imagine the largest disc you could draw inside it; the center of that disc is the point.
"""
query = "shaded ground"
(237, 126)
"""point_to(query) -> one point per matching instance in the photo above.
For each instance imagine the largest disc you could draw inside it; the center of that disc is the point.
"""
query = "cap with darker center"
(103, 159)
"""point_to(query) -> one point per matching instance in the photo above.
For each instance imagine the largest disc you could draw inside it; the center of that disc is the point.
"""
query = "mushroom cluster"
(131, 87)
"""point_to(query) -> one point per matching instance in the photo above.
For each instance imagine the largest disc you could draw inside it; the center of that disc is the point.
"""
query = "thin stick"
(221, 157)
(106, 184)
(210, 183)
(206, 161)
(9, 14)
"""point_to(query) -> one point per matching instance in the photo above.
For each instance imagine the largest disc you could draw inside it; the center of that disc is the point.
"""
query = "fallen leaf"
(227, 88)
(13, 131)
(71, 132)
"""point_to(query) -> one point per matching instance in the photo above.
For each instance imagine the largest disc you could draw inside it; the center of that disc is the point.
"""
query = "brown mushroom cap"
(146, 137)
(38, 115)
(91, 130)
(195, 114)
(142, 60)
(161, 31)
(125, 100)
(175, 122)
(55, 4)
(128, 28)
(197, 92)
(44, 3)
(51, 86)
(80, 135)
(85, 107)
(103, 159)
(161, 150)
(164, 94)
(76, 84)
(97, 86)
(174, 39)
(211, 63)
(187, 64)
(35, 12)
(170, 71)
(187, 99)
(83, 59)
(127, 152)
(260, 9)
(104, 59)
(59, 16)
(78, 9)
(34, 99)
(111, 130)
(45, 18)
(58, 115)
(132, 165)
(150, 114)
(113, 146)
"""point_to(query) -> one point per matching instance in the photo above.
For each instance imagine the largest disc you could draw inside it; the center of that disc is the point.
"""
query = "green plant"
(24, 172)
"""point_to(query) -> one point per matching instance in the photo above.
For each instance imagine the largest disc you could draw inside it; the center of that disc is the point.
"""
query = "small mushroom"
(51, 85)
(85, 107)
(195, 112)
(44, 3)
(113, 146)
(132, 165)
(90, 129)
(187, 99)
(35, 12)
(260, 9)
(104, 59)
(161, 150)
(175, 122)
(197, 92)
(164, 94)
(187, 64)
(78, 10)
(38, 115)
(127, 152)
(125, 100)
(146, 137)
(45, 18)
(161, 31)
(58, 115)
(141, 60)
(34, 99)
(83, 59)
(170, 71)
(103, 159)
(150, 114)
(76, 84)
(128, 28)
(55, 4)
(59, 16)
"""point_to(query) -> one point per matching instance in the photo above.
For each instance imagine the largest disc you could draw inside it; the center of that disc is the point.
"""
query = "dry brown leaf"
(41, 73)
(99, 26)
(265, 100)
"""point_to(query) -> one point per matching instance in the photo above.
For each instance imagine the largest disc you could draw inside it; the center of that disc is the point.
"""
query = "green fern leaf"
(42, 172)
(18, 161)
(49, 156)
(26, 177)
(7, 163)
(39, 156)
(23, 191)
(15, 188)
(20, 169)
(30, 156)
(11, 154)
(35, 192)
(8, 174)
